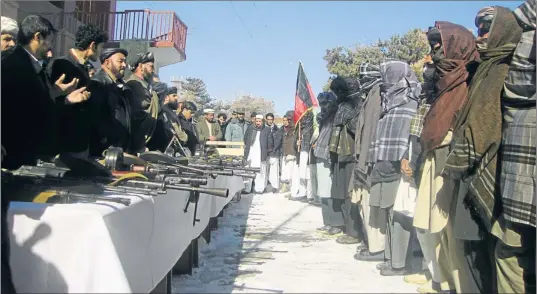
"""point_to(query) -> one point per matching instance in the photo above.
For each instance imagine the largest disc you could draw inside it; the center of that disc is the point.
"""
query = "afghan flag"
(305, 100)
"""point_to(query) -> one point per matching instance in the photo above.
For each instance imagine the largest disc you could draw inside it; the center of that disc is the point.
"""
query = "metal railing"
(164, 28)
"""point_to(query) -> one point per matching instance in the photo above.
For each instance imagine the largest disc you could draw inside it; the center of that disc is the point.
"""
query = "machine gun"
(241, 172)
(193, 197)
(50, 190)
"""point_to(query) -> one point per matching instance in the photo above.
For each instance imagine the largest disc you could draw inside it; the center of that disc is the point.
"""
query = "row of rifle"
(71, 179)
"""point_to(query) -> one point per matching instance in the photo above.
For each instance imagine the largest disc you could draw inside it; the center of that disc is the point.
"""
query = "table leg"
(195, 253)
(184, 265)
(206, 234)
(213, 222)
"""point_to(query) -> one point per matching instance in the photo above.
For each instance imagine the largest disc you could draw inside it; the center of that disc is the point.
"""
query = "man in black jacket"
(185, 119)
(275, 154)
(111, 123)
(169, 108)
(25, 82)
(258, 143)
(145, 105)
(89, 42)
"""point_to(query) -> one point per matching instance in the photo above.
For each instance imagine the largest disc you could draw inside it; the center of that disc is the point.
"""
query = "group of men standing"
(442, 170)
(76, 109)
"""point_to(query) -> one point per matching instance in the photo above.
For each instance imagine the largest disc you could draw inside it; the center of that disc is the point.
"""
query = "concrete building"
(161, 32)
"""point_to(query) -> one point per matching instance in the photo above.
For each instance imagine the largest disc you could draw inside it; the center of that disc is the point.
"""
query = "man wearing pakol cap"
(169, 107)
(258, 143)
(185, 116)
(237, 127)
(145, 105)
(110, 99)
(8, 39)
(208, 129)
(89, 41)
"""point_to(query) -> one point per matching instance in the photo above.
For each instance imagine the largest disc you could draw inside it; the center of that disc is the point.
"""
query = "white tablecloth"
(86, 247)
(235, 185)
(106, 247)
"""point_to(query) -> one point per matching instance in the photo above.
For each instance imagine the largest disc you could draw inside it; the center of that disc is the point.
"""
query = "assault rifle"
(49, 190)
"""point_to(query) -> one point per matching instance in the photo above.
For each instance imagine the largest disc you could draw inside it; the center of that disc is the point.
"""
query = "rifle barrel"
(69, 194)
(220, 192)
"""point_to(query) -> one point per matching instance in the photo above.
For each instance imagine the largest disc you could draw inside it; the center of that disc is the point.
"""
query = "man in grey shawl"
(515, 224)
(366, 127)
(330, 208)
(399, 92)
(341, 149)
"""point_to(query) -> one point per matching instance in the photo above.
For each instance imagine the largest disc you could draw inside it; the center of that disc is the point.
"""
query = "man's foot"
(275, 190)
(334, 231)
(301, 199)
(416, 279)
(324, 229)
(305, 200)
(345, 239)
(314, 202)
(390, 272)
(361, 247)
(384, 265)
(365, 255)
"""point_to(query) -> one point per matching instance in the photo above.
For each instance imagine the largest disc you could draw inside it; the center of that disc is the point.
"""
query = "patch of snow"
(268, 244)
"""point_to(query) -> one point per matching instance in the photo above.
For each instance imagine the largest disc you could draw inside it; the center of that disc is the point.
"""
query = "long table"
(103, 246)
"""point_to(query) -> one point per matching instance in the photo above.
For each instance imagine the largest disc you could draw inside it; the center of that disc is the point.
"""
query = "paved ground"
(268, 244)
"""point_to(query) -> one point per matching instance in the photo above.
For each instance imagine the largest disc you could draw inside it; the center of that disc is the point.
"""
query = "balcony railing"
(160, 28)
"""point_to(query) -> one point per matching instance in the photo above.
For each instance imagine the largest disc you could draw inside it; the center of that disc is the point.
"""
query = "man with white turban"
(10, 29)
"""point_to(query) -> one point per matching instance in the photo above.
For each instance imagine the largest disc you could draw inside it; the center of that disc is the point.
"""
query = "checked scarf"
(400, 90)
(478, 131)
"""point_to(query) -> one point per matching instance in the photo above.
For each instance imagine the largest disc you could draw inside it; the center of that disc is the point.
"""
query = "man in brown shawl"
(477, 137)
(454, 50)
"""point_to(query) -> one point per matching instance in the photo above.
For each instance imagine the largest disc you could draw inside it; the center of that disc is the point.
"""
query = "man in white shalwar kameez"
(289, 177)
(258, 142)
(305, 190)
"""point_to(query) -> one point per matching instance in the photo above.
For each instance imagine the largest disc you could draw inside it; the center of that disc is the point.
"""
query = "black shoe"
(367, 256)
(324, 229)
(334, 231)
(345, 239)
(384, 265)
(361, 247)
(305, 200)
(390, 272)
